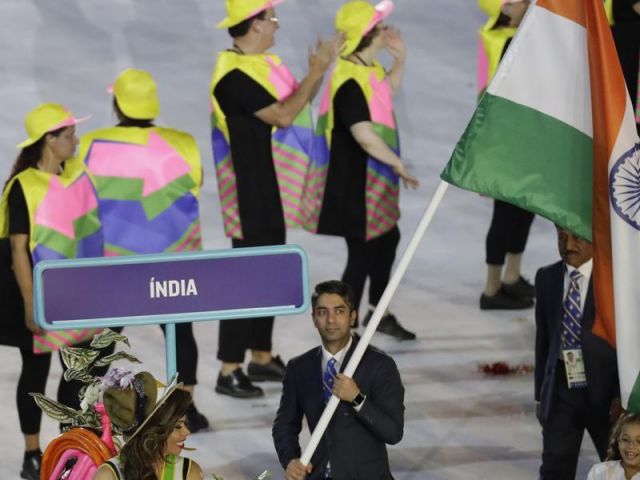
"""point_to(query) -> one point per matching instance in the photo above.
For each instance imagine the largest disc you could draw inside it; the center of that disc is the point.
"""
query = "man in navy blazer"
(564, 413)
(369, 415)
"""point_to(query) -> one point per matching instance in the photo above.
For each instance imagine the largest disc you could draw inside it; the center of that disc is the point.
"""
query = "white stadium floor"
(460, 424)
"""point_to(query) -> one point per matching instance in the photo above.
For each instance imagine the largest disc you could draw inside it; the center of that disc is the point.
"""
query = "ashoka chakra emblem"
(624, 187)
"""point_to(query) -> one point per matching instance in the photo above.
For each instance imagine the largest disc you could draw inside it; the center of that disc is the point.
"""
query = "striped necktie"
(328, 378)
(572, 314)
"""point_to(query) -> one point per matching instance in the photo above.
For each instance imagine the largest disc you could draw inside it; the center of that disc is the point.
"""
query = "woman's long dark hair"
(367, 40)
(140, 454)
(30, 156)
(613, 453)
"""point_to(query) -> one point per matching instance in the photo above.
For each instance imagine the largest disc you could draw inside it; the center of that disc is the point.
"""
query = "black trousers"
(33, 378)
(236, 336)
(508, 232)
(570, 415)
(186, 352)
(374, 260)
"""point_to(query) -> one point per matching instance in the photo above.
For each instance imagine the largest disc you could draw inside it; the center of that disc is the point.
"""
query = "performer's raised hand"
(325, 52)
(394, 43)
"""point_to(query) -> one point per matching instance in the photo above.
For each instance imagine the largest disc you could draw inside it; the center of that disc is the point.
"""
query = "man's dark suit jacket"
(599, 358)
(354, 441)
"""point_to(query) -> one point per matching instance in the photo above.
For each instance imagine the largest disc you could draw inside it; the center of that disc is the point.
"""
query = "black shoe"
(519, 290)
(389, 324)
(502, 301)
(31, 465)
(195, 420)
(270, 372)
(237, 385)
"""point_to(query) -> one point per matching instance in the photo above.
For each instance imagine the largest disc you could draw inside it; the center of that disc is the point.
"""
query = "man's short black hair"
(336, 287)
(242, 28)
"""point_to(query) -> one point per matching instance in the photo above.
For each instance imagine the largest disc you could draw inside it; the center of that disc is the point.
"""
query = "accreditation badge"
(574, 366)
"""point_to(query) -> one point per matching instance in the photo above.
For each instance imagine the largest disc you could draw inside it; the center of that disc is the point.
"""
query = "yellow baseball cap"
(45, 118)
(356, 19)
(240, 10)
(137, 94)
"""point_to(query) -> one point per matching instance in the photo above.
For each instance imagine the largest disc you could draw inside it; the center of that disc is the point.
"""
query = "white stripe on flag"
(625, 246)
(556, 79)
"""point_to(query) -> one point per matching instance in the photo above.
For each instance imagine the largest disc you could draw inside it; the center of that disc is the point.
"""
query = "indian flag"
(555, 134)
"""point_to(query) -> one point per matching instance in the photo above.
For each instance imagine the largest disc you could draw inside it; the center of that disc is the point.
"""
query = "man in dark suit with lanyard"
(576, 374)
(370, 414)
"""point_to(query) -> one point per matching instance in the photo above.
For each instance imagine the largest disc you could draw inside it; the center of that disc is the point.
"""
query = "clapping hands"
(325, 53)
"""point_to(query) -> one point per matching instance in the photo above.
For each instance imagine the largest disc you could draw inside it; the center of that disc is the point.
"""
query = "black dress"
(13, 330)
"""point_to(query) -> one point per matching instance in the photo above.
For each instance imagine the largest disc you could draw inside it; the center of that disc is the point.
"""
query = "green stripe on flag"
(633, 404)
(514, 153)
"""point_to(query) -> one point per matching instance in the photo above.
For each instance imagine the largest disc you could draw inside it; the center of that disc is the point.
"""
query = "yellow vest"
(492, 42)
(608, 8)
(63, 213)
(149, 180)
(381, 193)
(291, 147)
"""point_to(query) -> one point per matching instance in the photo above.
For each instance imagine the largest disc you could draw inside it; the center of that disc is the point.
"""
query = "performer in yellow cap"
(261, 134)
(509, 229)
(48, 211)
(496, 34)
(353, 187)
(148, 179)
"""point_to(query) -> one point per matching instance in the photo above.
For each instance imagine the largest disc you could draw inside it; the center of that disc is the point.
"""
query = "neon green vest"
(148, 182)
(291, 147)
(492, 42)
(382, 185)
(63, 214)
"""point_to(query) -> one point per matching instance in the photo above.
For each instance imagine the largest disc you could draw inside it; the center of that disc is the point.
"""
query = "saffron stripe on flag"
(609, 93)
(570, 9)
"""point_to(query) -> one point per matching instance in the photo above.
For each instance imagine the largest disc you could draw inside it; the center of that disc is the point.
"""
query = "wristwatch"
(357, 401)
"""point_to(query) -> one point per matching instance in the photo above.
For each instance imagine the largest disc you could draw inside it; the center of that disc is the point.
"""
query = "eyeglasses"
(272, 19)
(626, 442)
